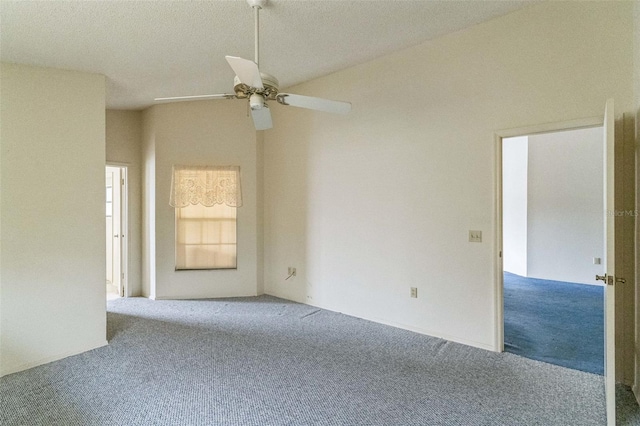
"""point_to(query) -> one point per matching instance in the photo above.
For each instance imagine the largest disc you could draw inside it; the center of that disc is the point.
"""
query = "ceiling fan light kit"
(259, 87)
(256, 101)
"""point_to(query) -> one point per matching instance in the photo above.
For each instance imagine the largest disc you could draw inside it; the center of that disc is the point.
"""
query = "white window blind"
(206, 201)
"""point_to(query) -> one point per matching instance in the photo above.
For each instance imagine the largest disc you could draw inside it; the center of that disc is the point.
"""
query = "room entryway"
(553, 247)
(116, 223)
(560, 201)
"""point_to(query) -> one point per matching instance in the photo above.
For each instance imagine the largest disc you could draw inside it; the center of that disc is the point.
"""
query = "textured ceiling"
(149, 49)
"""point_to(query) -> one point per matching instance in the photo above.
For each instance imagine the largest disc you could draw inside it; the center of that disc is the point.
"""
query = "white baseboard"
(419, 330)
(188, 297)
(20, 367)
(432, 333)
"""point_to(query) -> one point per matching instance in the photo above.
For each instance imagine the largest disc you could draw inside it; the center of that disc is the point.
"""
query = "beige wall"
(371, 204)
(198, 133)
(565, 204)
(552, 223)
(515, 165)
(52, 210)
(148, 236)
(124, 147)
(260, 211)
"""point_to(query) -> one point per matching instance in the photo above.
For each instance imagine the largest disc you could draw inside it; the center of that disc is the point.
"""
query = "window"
(109, 204)
(206, 237)
(206, 201)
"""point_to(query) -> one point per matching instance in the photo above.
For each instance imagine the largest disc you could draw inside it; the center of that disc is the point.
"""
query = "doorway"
(553, 247)
(116, 224)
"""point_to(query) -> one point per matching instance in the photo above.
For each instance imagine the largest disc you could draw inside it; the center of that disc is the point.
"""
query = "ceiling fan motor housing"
(269, 92)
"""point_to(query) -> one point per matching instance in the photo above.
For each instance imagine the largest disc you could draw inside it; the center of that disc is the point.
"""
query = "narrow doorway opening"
(116, 224)
(553, 241)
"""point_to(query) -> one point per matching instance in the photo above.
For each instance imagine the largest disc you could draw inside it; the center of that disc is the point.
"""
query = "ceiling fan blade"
(246, 70)
(196, 98)
(317, 104)
(262, 118)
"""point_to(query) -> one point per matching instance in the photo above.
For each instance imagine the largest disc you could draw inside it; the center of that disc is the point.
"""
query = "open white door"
(115, 234)
(609, 277)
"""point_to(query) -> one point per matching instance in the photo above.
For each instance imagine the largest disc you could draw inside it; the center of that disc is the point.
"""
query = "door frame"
(124, 225)
(499, 135)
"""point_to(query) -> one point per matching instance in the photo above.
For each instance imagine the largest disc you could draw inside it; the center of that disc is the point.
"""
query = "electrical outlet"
(414, 292)
(475, 236)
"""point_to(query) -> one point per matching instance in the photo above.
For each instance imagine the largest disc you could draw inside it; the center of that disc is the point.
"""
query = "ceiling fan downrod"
(256, 5)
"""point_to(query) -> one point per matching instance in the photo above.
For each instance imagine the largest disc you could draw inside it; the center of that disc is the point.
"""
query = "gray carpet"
(267, 361)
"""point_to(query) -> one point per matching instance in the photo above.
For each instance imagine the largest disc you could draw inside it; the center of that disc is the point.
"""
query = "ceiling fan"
(250, 83)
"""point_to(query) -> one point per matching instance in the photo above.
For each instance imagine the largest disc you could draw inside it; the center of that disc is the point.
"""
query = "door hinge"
(122, 181)
(123, 275)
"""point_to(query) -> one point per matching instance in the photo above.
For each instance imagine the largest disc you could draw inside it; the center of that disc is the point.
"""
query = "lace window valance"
(206, 185)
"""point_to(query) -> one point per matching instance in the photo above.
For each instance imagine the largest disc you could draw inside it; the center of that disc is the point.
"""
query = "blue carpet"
(556, 322)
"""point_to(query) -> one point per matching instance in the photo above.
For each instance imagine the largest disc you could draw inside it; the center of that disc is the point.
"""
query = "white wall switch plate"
(475, 236)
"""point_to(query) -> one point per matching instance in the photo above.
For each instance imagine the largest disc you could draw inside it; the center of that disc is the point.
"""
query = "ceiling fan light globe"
(256, 101)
